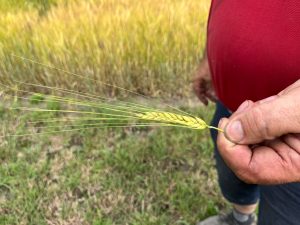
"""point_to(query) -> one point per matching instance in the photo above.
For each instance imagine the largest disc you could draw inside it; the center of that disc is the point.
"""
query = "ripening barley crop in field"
(149, 46)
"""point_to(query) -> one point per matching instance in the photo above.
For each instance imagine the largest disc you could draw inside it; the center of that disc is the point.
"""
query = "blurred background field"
(139, 176)
(148, 46)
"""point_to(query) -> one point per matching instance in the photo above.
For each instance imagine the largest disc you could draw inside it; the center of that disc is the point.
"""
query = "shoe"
(227, 219)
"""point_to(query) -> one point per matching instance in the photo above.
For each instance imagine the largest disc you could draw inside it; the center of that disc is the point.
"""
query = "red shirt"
(253, 48)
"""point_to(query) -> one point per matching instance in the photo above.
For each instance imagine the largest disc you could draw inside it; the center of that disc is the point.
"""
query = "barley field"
(149, 46)
(107, 176)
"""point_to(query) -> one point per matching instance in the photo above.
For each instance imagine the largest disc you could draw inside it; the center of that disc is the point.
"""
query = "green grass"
(106, 176)
(36, 98)
(148, 46)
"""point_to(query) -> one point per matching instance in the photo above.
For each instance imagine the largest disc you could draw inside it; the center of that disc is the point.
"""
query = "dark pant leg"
(280, 205)
(233, 189)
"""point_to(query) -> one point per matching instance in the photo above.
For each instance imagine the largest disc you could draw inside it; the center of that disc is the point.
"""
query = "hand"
(202, 84)
(273, 124)
(267, 119)
(272, 162)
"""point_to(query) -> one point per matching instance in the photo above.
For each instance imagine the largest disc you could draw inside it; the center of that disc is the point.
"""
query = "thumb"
(264, 120)
(237, 157)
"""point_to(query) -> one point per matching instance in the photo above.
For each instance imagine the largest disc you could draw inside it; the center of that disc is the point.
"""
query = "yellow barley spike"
(126, 111)
(188, 121)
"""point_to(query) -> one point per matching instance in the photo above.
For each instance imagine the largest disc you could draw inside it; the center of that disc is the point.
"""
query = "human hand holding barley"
(261, 142)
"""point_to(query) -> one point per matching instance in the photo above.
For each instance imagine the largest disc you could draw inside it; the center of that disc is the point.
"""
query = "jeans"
(279, 204)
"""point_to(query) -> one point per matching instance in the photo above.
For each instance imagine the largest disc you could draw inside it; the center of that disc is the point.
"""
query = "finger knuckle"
(258, 124)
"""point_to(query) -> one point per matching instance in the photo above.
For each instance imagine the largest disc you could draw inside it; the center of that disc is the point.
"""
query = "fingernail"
(243, 106)
(234, 131)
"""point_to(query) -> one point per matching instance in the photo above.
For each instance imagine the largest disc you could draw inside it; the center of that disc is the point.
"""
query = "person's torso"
(253, 48)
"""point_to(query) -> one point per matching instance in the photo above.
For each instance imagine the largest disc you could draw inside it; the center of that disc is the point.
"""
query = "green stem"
(215, 128)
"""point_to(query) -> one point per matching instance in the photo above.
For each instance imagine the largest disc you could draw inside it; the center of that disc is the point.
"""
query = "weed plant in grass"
(149, 46)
